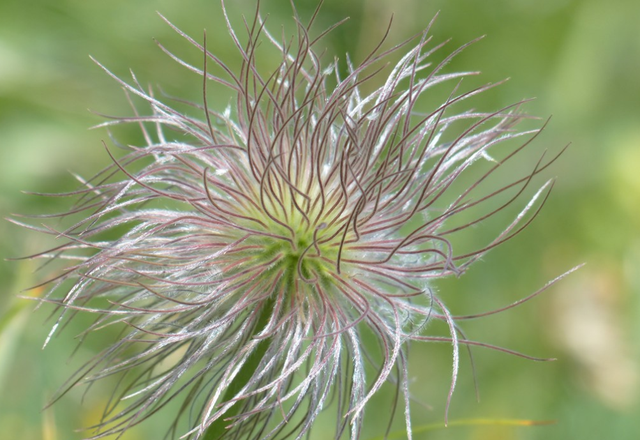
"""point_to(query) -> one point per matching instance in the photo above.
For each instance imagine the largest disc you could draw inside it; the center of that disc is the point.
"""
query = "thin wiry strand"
(263, 241)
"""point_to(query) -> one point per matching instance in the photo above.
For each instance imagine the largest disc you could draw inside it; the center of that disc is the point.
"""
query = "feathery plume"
(247, 253)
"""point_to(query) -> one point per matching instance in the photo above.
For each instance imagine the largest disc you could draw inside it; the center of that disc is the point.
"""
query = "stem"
(218, 428)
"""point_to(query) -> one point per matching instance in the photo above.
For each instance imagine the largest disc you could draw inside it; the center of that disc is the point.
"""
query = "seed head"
(247, 251)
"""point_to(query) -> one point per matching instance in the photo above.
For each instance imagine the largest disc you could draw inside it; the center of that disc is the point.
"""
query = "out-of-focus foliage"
(581, 59)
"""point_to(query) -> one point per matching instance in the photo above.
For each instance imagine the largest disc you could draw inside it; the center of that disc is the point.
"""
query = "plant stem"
(218, 428)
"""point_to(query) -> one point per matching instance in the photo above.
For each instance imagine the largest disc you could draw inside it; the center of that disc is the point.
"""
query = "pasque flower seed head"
(248, 251)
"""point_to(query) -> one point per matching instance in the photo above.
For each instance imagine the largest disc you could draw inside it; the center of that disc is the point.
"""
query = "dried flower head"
(247, 253)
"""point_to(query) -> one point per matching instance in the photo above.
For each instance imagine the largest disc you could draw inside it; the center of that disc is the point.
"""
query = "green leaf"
(465, 422)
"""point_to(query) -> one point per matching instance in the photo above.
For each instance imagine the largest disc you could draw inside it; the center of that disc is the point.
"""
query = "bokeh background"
(579, 58)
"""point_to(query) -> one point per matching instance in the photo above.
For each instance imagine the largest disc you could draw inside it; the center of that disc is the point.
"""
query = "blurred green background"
(581, 59)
